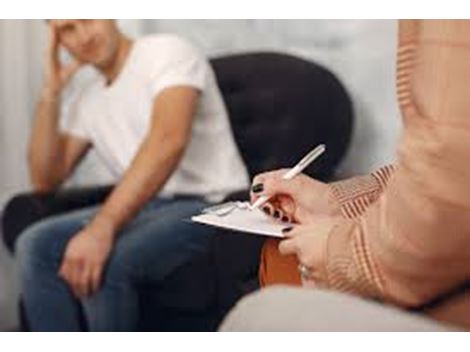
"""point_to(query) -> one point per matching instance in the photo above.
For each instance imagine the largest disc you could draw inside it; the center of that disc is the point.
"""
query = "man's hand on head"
(57, 75)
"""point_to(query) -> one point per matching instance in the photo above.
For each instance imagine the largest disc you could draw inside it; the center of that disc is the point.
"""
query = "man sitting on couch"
(158, 122)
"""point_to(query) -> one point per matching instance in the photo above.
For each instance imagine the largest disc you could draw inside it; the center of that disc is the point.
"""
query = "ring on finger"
(305, 271)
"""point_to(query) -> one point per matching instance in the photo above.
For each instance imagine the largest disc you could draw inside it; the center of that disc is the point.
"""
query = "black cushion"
(26, 208)
(281, 106)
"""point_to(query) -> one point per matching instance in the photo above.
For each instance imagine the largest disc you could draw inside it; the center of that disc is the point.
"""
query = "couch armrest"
(27, 208)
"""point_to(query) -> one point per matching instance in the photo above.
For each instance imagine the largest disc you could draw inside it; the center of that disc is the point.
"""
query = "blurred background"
(360, 52)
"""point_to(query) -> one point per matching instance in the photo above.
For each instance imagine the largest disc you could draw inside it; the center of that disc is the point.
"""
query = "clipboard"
(239, 216)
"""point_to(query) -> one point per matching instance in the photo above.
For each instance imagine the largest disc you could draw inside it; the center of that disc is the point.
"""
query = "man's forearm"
(144, 178)
(44, 146)
(155, 161)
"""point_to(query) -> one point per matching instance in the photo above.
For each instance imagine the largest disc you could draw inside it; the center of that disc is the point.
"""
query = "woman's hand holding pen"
(298, 200)
(310, 209)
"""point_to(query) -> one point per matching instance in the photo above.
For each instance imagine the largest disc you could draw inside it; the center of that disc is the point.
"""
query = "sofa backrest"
(281, 106)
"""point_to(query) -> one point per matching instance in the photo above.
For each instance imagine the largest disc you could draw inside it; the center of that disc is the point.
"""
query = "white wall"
(360, 52)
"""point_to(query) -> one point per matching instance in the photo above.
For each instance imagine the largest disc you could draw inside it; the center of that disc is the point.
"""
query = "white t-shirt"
(116, 118)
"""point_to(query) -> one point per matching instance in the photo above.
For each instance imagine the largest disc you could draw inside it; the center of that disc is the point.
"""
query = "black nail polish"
(277, 214)
(267, 210)
(287, 229)
(257, 188)
(285, 219)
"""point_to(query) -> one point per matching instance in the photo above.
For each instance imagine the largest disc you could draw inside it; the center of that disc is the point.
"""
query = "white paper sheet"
(244, 220)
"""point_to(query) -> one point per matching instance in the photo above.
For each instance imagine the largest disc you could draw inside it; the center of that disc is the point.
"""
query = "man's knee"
(38, 244)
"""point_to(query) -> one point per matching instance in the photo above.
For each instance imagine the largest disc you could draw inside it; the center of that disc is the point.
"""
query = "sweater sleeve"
(413, 242)
(356, 194)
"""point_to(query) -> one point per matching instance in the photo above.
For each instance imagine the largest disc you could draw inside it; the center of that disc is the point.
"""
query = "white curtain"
(21, 43)
(20, 61)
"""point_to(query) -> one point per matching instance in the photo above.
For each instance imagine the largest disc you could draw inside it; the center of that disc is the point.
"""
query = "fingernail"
(287, 229)
(285, 219)
(257, 188)
(267, 210)
(277, 214)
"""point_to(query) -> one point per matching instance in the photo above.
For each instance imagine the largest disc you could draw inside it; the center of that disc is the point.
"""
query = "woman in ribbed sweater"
(402, 234)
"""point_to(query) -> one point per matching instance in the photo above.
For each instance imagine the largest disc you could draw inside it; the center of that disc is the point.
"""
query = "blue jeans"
(146, 251)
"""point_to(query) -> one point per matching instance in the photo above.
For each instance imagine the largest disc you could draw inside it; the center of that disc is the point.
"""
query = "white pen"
(297, 169)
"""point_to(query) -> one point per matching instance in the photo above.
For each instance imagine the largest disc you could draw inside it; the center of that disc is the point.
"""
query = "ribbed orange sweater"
(412, 242)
